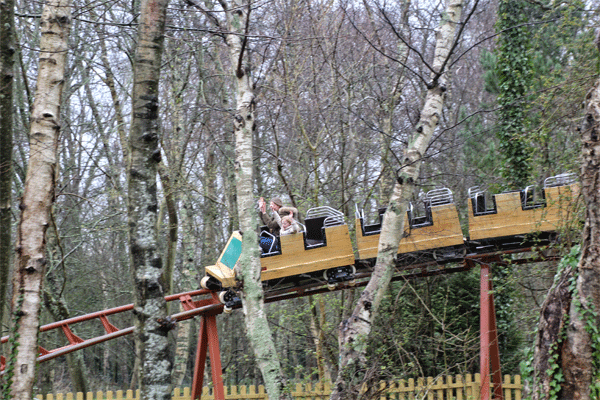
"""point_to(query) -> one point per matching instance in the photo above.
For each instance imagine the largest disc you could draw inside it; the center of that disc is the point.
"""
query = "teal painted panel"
(232, 253)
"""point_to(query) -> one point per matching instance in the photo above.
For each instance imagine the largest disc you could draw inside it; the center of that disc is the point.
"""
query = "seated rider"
(274, 222)
(289, 225)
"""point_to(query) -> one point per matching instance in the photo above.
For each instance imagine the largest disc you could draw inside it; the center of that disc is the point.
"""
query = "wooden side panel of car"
(295, 259)
(445, 231)
(510, 218)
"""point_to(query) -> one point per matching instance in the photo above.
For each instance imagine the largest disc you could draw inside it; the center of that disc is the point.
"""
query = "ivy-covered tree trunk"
(545, 366)
(38, 197)
(581, 352)
(514, 72)
(354, 331)
(257, 326)
(152, 325)
(7, 51)
(567, 361)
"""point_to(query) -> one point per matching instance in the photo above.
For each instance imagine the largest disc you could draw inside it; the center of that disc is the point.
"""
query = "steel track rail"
(211, 305)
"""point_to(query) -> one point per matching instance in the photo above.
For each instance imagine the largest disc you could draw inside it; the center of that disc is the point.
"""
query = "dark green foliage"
(431, 326)
(563, 61)
(513, 70)
(480, 151)
(540, 70)
(510, 336)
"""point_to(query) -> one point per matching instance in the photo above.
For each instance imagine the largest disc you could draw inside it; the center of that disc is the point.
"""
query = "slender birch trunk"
(354, 331)
(38, 196)
(7, 51)
(317, 319)
(257, 326)
(152, 324)
(171, 204)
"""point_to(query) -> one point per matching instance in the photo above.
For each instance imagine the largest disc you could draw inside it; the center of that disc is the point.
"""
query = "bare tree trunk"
(38, 197)
(257, 326)
(582, 346)
(152, 324)
(209, 244)
(54, 302)
(172, 227)
(552, 322)
(354, 331)
(317, 318)
(59, 311)
(568, 343)
(7, 51)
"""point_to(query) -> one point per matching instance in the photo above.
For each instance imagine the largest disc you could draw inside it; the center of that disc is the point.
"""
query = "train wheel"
(227, 310)
(331, 286)
(204, 282)
(211, 283)
(223, 297)
(352, 282)
(449, 254)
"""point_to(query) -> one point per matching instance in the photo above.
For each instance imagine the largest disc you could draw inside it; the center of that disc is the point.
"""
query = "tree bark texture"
(75, 363)
(581, 346)
(170, 202)
(152, 324)
(354, 331)
(38, 196)
(55, 303)
(552, 323)
(184, 340)
(258, 330)
(568, 341)
(317, 317)
(7, 51)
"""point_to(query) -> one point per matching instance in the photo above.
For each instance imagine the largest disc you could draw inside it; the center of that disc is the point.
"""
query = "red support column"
(215, 357)
(489, 351)
(498, 394)
(200, 361)
(484, 329)
(208, 338)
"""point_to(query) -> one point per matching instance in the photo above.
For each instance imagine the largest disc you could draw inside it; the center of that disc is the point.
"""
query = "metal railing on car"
(561, 180)
(332, 216)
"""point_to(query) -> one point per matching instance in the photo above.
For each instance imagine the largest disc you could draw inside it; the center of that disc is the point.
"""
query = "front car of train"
(323, 251)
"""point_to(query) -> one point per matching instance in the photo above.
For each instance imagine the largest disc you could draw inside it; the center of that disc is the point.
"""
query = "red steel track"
(191, 309)
(206, 304)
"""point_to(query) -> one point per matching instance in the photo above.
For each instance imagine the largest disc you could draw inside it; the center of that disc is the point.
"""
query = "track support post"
(208, 339)
(489, 351)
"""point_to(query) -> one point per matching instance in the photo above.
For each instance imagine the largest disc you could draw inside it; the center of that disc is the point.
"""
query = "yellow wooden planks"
(511, 219)
(295, 259)
(445, 231)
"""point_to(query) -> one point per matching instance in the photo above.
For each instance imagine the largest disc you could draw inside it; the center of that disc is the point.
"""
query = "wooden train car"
(324, 247)
(438, 229)
(509, 216)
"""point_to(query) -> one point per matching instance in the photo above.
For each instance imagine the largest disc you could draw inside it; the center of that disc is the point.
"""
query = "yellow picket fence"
(441, 388)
